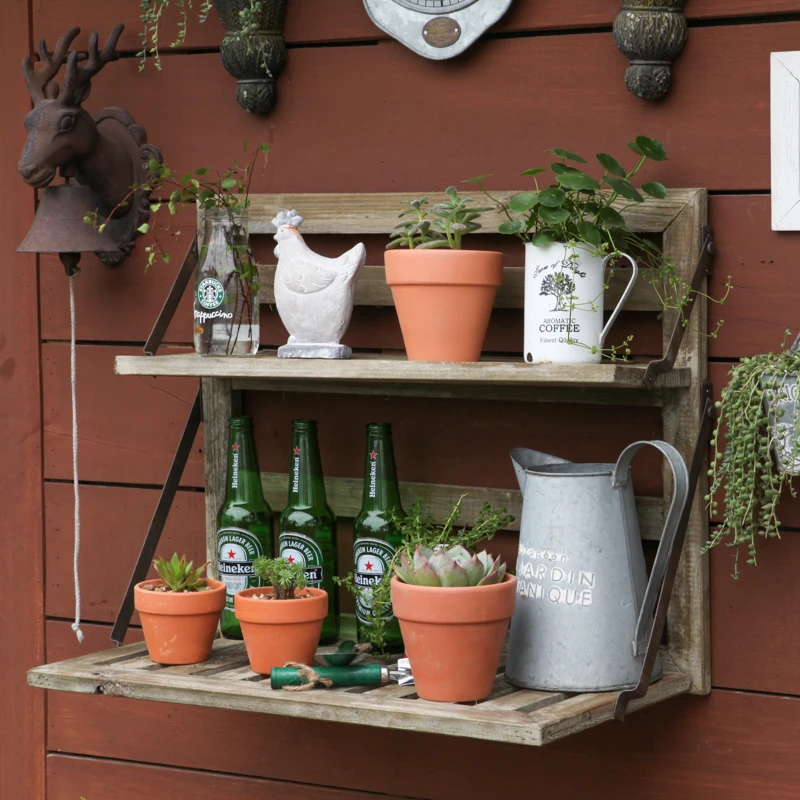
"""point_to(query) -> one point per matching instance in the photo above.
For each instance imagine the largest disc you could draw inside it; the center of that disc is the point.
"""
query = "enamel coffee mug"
(564, 287)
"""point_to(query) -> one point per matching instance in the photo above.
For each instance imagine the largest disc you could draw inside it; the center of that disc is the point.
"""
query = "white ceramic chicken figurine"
(314, 294)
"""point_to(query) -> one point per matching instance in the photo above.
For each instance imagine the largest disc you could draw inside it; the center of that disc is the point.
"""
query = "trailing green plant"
(419, 530)
(450, 568)
(152, 11)
(584, 212)
(744, 443)
(442, 225)
(180, 575)
(284, 578)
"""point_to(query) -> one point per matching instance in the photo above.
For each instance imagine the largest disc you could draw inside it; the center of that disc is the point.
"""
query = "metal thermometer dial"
(436, 29)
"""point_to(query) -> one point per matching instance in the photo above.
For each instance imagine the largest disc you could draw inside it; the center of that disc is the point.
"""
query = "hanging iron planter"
(783, 410)
(651, 34)
(253, 50)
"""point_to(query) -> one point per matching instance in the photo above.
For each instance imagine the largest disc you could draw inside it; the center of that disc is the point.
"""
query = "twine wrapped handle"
(310, 677)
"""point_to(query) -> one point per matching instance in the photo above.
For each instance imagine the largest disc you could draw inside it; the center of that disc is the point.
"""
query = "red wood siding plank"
(763, 266)
(70, 777)
(731, 745)
(21, 527)
(62, 644)
(379, 147)
(113, 525)
(129, 427)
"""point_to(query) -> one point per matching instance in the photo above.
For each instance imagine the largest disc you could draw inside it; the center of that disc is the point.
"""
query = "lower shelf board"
(518, 716)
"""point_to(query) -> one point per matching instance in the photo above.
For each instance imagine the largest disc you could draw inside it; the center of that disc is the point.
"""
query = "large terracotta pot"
(179, 627)
(454, 636)
(444, 299)
(277, 631)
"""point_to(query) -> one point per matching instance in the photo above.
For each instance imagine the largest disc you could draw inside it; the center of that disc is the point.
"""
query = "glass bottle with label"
(244, 521)
(308, 526)
(375, 536)
(226, 307)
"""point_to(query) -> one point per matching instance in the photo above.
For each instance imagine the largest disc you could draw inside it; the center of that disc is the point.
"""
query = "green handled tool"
(302, 677)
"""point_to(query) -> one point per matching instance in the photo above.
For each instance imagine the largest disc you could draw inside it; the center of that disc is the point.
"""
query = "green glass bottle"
(244, 521)
(308, 526)
(375, 535)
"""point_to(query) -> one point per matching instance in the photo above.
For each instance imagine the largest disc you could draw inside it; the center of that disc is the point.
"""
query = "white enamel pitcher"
(564, 287)
(584, 604)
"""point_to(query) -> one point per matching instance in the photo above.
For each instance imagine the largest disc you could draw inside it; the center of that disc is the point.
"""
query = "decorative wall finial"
(651, 34)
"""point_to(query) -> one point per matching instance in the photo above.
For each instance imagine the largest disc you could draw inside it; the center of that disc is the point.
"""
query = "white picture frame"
(785, 140)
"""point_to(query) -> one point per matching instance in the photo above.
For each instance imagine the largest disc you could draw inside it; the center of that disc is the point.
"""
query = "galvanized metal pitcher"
(584, 604)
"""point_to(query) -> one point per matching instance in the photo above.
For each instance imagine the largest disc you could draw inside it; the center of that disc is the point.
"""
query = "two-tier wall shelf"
(674, 384)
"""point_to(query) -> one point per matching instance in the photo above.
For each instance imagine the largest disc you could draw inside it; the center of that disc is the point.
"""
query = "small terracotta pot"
(179, 627)
(444, 299)
(277, 631)
(454, 636)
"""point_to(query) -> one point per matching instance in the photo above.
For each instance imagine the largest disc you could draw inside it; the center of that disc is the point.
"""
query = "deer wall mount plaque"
(101, 157)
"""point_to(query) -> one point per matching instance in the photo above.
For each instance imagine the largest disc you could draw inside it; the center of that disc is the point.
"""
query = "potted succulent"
(759, 418)
(282, 620)
(572, 228)
(180, 611)
(443, 294)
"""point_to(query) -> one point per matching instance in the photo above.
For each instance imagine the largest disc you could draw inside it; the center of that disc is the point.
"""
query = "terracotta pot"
(454, 636)
(179, 627)
(277, 631)
(444, 299)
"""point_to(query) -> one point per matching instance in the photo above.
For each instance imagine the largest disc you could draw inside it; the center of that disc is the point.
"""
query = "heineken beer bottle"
(308, 526)
(244, 521)
(374, 533)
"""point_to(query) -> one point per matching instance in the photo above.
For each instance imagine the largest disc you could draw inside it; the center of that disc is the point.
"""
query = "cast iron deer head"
(61, 134)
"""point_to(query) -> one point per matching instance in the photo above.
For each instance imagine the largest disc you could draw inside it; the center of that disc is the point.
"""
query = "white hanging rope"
(76, 626)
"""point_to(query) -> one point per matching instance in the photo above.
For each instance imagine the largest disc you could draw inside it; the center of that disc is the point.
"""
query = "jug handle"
(625, 294)
(680, 494)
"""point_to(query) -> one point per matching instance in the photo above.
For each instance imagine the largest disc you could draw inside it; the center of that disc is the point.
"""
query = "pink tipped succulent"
(454, 567)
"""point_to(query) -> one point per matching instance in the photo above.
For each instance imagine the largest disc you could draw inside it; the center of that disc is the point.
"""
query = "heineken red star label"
(299, 549)
(371, 558)
(238, 549)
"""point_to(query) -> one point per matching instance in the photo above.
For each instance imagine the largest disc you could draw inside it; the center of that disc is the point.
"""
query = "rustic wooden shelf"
(270, 371)
(518, 716)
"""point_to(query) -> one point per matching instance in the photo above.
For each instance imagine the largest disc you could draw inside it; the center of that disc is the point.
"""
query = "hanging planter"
(253, 50)
(756, 449)
(443, 295)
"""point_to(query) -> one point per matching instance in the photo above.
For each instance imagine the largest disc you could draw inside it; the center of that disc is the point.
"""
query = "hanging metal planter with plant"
(760, 417)
(253, 50)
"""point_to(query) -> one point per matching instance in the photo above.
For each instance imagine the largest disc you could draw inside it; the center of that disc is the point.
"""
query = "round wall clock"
(436, 29)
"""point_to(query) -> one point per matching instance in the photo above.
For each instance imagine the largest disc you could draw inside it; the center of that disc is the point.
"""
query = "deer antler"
(38, 79)
(77, 76)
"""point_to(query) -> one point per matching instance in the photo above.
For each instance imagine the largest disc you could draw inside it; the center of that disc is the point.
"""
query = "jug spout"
(524, 459)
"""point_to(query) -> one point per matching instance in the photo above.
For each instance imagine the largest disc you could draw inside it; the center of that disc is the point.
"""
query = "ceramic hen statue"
(314, 294)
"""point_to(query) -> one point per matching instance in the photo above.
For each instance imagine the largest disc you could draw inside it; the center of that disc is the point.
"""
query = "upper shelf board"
(380, 369)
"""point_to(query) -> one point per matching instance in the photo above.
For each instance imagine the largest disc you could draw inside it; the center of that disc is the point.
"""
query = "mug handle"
(680, 496)
(625, 294)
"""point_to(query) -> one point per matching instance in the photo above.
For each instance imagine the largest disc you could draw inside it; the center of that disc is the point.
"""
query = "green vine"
(420, 529)
(743, 467)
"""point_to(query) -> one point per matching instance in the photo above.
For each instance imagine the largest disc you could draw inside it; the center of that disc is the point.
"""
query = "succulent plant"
(284, 578)
(453, 567)
(180, 576)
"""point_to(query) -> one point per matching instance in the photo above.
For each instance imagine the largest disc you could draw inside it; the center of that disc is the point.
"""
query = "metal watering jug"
(584, 605)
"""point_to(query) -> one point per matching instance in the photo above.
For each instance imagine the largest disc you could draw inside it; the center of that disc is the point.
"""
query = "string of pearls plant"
(757, 419)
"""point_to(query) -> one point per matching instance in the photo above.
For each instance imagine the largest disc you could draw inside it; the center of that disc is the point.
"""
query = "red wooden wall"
(360, 113)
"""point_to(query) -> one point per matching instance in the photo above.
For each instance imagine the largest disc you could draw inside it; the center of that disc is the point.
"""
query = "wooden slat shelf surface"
(511, 715)
(381, 369)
